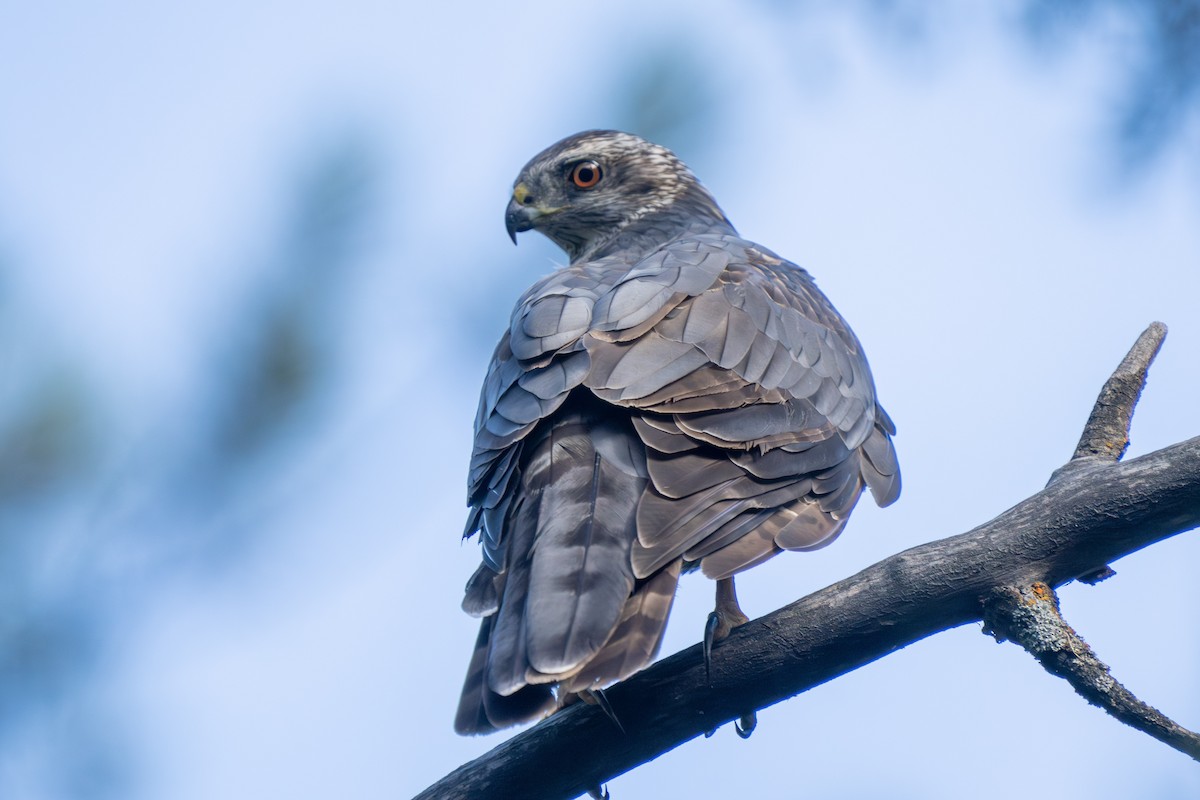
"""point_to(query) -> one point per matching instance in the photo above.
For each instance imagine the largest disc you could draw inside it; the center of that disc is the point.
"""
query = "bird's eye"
(585, 174)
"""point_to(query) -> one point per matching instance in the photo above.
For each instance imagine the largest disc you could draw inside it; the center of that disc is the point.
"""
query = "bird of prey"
(675, 396)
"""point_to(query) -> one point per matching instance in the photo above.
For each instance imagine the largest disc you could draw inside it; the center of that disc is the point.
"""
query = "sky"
(292, 627)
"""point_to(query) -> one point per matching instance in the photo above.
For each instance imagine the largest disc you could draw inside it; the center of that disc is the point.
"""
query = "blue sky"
(955, 196)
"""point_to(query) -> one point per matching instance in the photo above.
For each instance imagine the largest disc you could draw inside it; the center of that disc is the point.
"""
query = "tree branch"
(1030, 616)
(1106, 435)
(1084, 519)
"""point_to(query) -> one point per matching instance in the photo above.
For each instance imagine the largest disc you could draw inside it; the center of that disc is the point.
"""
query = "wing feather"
(759, 376)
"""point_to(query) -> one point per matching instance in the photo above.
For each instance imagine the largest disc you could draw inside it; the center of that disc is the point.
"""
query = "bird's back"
(704, 404)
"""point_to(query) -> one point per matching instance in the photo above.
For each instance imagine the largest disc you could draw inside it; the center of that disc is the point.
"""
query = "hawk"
(674, 397)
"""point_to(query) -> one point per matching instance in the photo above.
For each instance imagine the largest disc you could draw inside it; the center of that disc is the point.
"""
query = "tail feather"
(507, 654)
(638, 636)
(471, 717)
(581, 575)
(481, 599)
(481, 710)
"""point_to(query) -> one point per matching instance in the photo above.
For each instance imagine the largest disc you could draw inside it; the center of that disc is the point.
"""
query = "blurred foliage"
(45, 440)
(47, 447)
(1161, 89)
(283, 353)
(66, 574)
(1159, 63)
(46, 423)
(669, 96)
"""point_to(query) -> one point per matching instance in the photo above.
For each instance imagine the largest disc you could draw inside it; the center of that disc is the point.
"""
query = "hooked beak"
(523, 211)
(518, 218)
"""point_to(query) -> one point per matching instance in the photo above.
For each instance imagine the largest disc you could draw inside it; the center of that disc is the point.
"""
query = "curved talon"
(710, 633)
(745, 724)
(601, 700)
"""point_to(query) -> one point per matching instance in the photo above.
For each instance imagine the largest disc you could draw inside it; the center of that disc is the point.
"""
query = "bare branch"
(1030, 616)
(1106, 434)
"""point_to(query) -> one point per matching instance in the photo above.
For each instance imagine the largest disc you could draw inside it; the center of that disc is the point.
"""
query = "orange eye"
(585, 174)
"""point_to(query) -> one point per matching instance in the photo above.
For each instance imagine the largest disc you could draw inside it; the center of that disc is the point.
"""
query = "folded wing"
(707, 404)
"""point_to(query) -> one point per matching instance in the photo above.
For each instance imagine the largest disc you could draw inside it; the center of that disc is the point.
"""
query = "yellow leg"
(726, 616)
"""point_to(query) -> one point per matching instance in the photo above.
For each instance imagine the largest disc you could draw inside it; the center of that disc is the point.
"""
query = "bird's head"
(587, 190)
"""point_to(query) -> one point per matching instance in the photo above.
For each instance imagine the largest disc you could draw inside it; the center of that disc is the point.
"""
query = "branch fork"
(1029, 614)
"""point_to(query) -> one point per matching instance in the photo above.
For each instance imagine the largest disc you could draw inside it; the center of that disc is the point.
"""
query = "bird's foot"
(597, 697)
(745, 724)
(725, 617)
